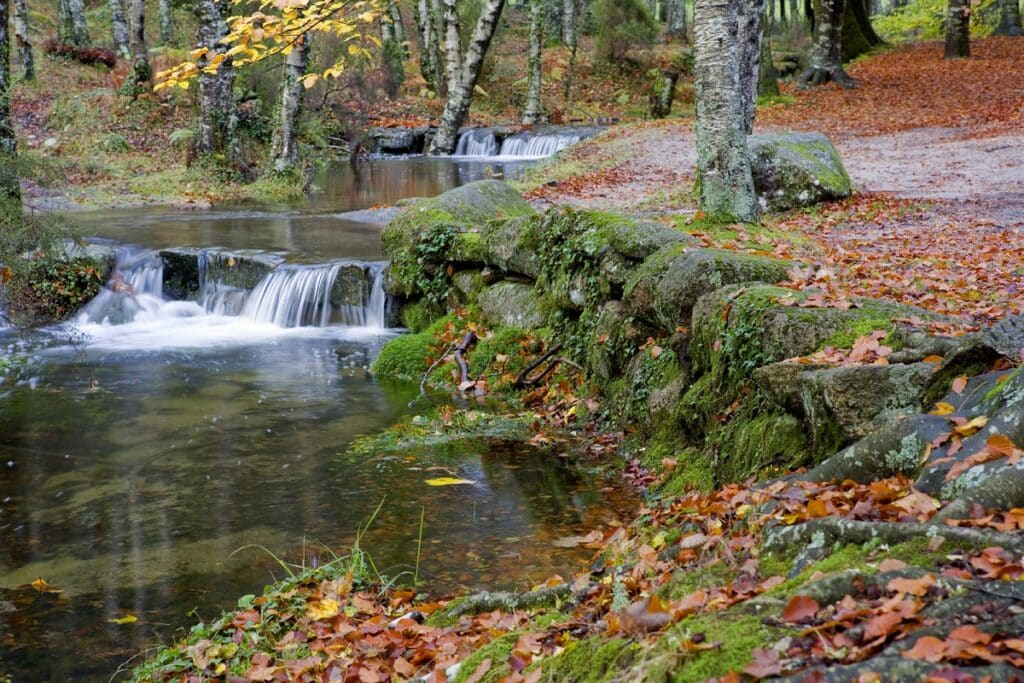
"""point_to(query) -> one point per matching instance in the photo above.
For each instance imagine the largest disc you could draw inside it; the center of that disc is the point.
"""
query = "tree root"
(460, 358)
(524, 379)
(826, 531)
(821, 75)
(481, 603)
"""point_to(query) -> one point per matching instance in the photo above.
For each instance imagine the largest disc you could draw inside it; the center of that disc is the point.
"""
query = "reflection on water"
(312, 229)
(131, 479)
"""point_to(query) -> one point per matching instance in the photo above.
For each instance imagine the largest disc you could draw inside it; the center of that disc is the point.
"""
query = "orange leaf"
(912, 586)
(928, 648)
(959, 384)
(799, 609)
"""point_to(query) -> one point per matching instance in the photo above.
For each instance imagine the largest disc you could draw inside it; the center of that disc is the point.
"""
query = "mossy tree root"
(820, 76)
(481, 603)
(821, 533)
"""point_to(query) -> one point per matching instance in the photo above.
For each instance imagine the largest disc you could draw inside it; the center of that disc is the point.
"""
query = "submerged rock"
(796, 169)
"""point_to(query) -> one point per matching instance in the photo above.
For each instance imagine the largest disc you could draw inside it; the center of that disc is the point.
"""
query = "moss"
(844, 339)
(505, 341)
(591, 660)
(686, 581)
(409, 355)
(417, 316)
(498, 651)
(739, 635)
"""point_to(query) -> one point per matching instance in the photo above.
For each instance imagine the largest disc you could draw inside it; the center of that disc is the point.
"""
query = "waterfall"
(135, 285)
(479, 142)
(373, 311)
(293, 296)
(532, 146)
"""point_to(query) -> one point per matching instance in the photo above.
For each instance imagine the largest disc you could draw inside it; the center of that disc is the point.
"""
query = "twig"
(468, 341)
(524, 380)
(423, 380)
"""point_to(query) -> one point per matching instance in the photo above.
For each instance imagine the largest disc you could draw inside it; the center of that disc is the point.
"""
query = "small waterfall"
(479, 142)
(293, 296)
(135, 285)
(532, 146)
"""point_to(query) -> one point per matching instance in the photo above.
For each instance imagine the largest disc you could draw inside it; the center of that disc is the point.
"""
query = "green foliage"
(622, 25)
(182, 138)
(115, 143)
(926, 20)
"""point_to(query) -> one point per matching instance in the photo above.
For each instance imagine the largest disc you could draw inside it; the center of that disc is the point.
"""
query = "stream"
(159, 457)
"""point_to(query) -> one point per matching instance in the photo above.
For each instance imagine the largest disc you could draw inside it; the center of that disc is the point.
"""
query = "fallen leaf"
(799, 609)
(928, 648)
(448, 481)
(130, 619)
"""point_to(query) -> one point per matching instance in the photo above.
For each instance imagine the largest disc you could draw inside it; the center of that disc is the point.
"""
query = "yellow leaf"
(309, 80)
(353, 49)
(943, 408)
(130, 619)
(41, 585)
(323, 609)
(972, 426)
(448, 481)
(183, 85)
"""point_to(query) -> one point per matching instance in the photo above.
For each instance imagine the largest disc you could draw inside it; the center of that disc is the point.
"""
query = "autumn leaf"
(927, 648)
(800, 609)
(943, 408)
(916, 587)
(959, 384)
(129, 619)
(766, 663)
(323, 609)
(448, 481)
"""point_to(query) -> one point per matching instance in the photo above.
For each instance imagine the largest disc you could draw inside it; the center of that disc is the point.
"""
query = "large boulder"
(796, 169)
(667, 286)
(398, 140)
(511, 304)
(435, 233)
(188, 269)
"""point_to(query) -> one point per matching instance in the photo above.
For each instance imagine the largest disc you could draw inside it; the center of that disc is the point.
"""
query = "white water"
(481, 142)
(291, 300)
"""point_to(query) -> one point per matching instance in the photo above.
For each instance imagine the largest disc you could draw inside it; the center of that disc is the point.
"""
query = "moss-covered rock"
(796, 169)
(512, 245)
(668, 284)
(511, 304)
(432, 234)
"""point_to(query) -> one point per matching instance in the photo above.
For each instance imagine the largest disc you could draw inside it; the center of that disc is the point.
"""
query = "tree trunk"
(285, 148)
(459, 98)
(825, 64)
(664, 93)
(570, 38)
(749, 19)
(430, 55)
(1009, 19)
(858, 34)
(72, 28)
(958, 34)
(767, 78)
(782, 12)
(142, 72)
(119, 29)
(452, 45)
(398, 28)
(28, 68)
(10, 193)
(217, 118)
(166, 34)
(675, 17)
(725, 184)
(534, 112)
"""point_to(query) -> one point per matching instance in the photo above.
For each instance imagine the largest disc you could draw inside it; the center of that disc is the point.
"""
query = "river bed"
(155, 471)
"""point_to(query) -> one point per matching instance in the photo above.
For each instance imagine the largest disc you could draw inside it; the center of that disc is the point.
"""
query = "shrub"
(622, 25)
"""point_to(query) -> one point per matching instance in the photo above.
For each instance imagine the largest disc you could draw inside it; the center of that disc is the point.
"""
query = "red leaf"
(928, 648)
(800, 609)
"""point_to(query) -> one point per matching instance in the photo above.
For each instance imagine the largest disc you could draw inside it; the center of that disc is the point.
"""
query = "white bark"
(452, 45)
(217, 118)
(461, 95)
(166, 34)
(723, 166)
(533, 111)
(826, 64)
(749, 18)
(25, 57)
(430, 50)
(398, 28)
(72, 28)
(9, 190)
(675, 17)
(141, 70)
(569, 23)
(285, 147)
(119, 29)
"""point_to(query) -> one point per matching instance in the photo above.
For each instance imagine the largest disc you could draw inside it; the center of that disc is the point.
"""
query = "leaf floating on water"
(121, 621)
(448, 481)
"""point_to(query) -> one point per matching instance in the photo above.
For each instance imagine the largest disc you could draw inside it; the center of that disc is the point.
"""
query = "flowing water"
(150, 453)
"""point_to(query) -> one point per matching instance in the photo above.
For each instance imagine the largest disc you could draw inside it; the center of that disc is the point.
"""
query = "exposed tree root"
(525, 380)
(510, 602)
(826, 531)
(820, 76)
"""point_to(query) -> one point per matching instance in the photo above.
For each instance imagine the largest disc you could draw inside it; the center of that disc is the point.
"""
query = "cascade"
(293, 296)
(535, 145)
(479, 142)
(135, 285)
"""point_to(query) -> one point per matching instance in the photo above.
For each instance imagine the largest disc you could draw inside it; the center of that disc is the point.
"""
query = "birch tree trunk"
(675, 17)
(664, 93)
(72, 28)
(767, 77)
(397, 27)
(825, 63)
(166, 34)
(534, 112)
(459, 97)
(25, 57)
(958, 34)
(1009, 19)
(119, 29)
(452, 45)
(217, 118)
(430, 51)
(142, 72)
(10, 193)
(570, 38)
(284, 146)
(726, 186)
(749, 17)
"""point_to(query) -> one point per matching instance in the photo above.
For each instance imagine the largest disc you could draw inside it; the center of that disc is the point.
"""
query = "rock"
(856, 399)
(667, 286)
(512, 245)
(511, 304)
(433, 233)
(381, 216)
(632, 238)
(468, 284)
(796, 169)
(352, 286)
(181, 272)
(185, 269)
(105, 255)
(398, 140)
